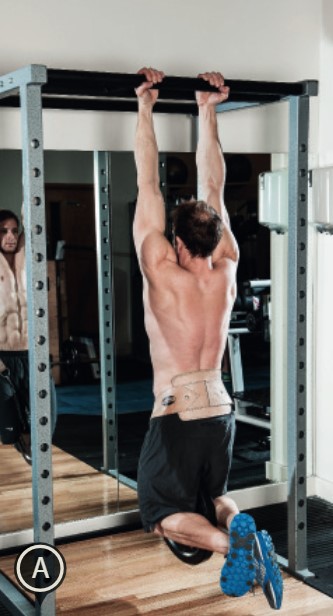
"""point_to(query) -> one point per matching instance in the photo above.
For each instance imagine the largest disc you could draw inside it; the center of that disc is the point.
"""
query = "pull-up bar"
(177, 88)
(90, 90)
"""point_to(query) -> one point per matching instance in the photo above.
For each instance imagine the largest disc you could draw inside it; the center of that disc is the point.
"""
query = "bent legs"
(194, 530)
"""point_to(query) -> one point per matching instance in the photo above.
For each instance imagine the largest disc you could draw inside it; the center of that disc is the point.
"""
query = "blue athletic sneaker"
(238, 573)
(267, 570)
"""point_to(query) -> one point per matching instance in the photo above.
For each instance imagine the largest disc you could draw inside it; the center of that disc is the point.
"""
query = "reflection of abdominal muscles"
(13, 325)
(13, 306)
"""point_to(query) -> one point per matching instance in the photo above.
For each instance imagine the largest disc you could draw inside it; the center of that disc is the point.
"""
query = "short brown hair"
(7, 214)
(199, 226)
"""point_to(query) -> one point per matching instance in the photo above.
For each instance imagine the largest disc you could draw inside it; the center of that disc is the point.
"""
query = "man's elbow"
(235, 254)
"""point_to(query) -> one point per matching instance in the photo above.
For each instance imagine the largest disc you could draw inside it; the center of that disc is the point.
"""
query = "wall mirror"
(83, 488)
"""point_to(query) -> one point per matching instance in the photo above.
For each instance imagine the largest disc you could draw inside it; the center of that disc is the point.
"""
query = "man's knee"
(168, 524)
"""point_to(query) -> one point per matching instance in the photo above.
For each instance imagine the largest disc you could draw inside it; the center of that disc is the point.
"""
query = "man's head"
(199, 227)
(9, 230)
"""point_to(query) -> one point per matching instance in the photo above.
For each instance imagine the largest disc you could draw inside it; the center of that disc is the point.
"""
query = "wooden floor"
(135, 573)
(132, 573)
(80, 491)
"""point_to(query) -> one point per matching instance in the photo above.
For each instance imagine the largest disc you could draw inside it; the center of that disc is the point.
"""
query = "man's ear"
(179, 243)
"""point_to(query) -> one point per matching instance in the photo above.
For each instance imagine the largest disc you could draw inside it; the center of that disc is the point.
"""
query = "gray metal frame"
(29, 82)
(297, 332)
(13, 600)
(103, 221)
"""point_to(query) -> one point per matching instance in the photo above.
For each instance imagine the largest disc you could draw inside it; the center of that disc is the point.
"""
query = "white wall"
(323, 289)
(323, 352)
(261, 39)
(326, 86)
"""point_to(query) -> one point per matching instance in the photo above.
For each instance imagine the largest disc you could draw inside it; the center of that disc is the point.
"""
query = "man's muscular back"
(187, 315)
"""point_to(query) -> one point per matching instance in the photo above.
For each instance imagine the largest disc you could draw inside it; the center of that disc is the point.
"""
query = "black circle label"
(40, 568)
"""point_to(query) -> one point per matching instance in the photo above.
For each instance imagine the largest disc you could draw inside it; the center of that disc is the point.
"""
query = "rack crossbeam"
(104, 91)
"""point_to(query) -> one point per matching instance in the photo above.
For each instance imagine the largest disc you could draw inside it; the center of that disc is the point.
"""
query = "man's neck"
(198, 266)
(10, 258)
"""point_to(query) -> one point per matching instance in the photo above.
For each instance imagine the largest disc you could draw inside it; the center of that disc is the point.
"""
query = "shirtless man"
(188, 293)
(14, 371)
(14, 364)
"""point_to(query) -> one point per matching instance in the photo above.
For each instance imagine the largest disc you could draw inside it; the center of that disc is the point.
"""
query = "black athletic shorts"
(180, 458)
(14, 397)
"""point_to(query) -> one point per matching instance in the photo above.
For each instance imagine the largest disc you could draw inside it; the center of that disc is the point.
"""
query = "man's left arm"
(210, 161)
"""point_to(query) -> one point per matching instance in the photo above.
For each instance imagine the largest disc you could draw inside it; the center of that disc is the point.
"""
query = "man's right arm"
(149, 221)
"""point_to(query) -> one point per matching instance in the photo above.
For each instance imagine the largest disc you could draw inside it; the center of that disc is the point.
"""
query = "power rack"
(34, 88)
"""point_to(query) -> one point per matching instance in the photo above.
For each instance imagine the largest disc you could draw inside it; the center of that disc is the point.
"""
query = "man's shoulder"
(157, 252)
(225, 269)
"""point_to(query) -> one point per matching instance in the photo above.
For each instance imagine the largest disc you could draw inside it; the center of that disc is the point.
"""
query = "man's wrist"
(145, 108)
(207, 111)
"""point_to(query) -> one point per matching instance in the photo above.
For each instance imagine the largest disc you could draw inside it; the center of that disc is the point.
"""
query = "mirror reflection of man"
(14, 365)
